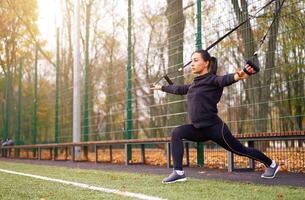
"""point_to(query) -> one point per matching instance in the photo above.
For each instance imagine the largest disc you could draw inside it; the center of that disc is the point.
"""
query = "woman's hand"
(156, 87)
(240, 74)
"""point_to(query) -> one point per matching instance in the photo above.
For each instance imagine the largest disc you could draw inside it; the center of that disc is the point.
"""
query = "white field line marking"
(86, 186)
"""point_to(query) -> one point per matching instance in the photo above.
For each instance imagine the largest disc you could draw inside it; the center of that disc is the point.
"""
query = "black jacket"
(202, 97)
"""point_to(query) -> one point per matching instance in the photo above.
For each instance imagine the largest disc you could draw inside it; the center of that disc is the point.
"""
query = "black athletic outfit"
(202, 97)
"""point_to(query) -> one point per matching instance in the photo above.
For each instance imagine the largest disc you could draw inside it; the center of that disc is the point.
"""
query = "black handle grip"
(168, 80)
(254, 66)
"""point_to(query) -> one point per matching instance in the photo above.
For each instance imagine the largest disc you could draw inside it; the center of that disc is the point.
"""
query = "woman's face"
(199, 66)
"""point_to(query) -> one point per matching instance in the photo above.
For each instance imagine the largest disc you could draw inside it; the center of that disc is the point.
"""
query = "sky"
(49, 15)
(47, 20)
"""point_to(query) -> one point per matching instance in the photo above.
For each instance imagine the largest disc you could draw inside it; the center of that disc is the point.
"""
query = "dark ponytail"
(213, 65)
(207, 57)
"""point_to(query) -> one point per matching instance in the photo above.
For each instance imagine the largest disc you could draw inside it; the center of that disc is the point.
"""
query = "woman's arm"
(229, 79)
(173, 89)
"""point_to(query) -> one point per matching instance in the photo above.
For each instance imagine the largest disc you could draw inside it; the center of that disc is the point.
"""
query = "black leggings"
(218, 133)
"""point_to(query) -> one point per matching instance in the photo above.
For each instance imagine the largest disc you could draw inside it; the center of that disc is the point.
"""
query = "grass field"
(20, 187)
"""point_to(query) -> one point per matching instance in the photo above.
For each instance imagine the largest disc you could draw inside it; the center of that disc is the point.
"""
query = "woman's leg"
(221, 134)
(188, 132)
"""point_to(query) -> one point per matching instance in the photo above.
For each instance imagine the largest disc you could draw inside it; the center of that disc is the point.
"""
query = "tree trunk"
(176, 23)
(260, 95)
(268, 74)
(252, 96)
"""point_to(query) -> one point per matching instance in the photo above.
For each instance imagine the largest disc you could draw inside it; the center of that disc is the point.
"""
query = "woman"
(203, 94)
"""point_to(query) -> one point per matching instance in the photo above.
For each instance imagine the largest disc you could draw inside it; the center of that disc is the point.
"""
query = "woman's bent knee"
(177, 133)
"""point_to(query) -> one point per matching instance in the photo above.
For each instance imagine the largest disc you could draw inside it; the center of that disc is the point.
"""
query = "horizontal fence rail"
(281, 146)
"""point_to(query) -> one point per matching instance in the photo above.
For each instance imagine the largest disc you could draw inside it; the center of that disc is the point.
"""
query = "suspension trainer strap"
(239, 25)
(276, 15)
(250, 63)
(217, 41)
